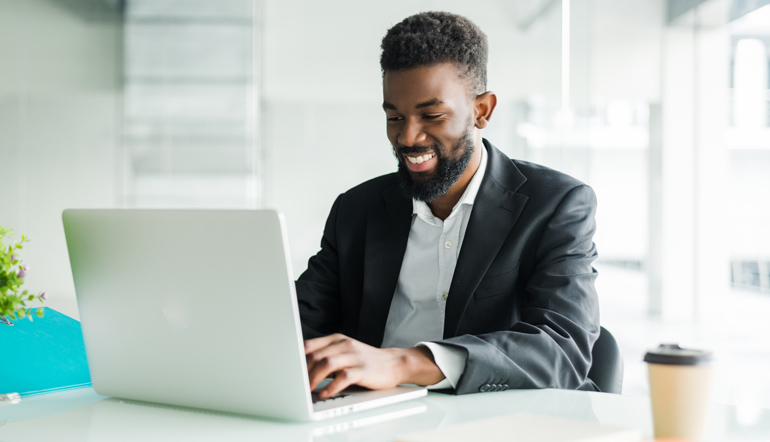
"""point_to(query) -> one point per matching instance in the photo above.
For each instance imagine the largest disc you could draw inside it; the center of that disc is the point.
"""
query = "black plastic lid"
(673, 354)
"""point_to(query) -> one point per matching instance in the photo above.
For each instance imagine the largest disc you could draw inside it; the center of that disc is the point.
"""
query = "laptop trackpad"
(364, 397)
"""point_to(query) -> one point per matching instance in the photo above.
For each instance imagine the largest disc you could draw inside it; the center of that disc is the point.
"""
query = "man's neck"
(443, 205)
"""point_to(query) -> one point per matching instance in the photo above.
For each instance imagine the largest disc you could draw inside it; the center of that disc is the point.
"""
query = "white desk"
(82, 415)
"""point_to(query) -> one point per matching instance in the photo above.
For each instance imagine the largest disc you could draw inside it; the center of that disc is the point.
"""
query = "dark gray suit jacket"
(522, 302)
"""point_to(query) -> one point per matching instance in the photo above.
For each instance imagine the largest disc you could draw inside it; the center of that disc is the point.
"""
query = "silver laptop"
(197, 308)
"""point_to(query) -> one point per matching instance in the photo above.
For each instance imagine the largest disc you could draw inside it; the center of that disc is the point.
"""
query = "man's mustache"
(405, 150)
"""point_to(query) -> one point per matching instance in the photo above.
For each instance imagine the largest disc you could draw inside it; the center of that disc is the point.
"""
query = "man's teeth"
(418, 160)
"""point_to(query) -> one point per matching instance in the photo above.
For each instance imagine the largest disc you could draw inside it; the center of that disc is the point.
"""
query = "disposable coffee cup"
(680, 380)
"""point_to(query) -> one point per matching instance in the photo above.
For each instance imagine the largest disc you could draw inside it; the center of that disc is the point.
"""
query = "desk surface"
(82, 415)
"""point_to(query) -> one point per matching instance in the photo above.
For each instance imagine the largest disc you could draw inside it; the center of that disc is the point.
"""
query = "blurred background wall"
(662, 106)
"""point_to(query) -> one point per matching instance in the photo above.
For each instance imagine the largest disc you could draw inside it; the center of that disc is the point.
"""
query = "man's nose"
(411, 134)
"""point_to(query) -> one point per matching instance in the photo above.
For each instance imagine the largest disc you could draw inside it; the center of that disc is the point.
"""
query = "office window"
(189, 132)
(748, 139)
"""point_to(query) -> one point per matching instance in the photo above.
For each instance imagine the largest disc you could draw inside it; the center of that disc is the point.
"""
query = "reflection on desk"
(82, 415)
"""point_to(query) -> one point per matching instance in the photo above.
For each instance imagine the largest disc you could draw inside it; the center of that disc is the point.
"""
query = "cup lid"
(673, 354)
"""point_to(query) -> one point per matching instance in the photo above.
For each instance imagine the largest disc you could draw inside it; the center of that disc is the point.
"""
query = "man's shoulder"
(547, 188)
(379, 192)
(539, 175)
(527, 177)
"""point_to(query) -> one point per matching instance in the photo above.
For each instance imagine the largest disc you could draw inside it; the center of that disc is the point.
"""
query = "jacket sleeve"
(318, 288)
(549, 346)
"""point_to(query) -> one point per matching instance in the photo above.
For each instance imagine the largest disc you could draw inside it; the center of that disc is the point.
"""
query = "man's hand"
(352, 362)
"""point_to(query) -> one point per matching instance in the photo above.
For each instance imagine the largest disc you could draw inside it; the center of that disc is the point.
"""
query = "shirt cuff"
(450, 360)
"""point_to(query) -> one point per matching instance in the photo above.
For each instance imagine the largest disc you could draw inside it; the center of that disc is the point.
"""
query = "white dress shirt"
(417, 311)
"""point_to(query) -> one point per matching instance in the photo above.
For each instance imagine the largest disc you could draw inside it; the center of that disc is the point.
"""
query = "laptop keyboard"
(317, 398)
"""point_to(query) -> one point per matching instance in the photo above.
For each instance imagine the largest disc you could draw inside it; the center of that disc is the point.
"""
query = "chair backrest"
(607, 363)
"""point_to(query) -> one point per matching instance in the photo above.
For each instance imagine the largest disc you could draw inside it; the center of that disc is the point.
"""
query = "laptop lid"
(195, 308)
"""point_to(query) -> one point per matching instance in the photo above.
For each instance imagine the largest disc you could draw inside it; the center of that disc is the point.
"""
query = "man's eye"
(431, 116)
(394, 119)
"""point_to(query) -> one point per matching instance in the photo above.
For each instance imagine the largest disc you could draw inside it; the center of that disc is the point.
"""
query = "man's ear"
(484, 106)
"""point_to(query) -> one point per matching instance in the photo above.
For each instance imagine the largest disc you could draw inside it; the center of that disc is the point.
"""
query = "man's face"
(430, 126)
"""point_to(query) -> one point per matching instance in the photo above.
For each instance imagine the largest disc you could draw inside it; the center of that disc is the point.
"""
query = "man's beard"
(448, 169)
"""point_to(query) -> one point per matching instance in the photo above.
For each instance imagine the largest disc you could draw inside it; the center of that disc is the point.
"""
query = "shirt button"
(444, 296)
(447, 244)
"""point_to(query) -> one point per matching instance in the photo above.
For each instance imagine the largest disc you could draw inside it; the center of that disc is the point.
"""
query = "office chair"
(607, 364)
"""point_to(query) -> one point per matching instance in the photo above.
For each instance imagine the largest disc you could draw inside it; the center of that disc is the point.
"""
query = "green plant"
(13, 300)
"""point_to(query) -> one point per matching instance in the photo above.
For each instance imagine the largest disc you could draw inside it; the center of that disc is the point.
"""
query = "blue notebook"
(43, 355)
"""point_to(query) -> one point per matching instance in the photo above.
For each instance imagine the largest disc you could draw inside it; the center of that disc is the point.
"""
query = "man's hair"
(429, 38)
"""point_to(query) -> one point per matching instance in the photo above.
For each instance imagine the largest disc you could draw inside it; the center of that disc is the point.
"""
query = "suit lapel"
(387, 233)
(495, 211)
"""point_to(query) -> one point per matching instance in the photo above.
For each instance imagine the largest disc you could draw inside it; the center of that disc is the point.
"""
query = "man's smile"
(420, 163)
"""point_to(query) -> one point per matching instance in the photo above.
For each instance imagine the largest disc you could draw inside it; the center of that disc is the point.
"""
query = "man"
(465, 269)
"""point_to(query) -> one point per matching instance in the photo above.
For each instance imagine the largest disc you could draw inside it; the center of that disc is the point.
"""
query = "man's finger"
(335, 347)
(312, 345)
(342, 380)
(328, 366)
(339, 346)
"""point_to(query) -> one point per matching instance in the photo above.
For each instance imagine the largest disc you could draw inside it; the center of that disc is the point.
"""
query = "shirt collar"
(421, 208)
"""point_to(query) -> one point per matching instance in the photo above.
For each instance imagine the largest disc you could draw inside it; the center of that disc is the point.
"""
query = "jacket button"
(484, 388)
(505, 386)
